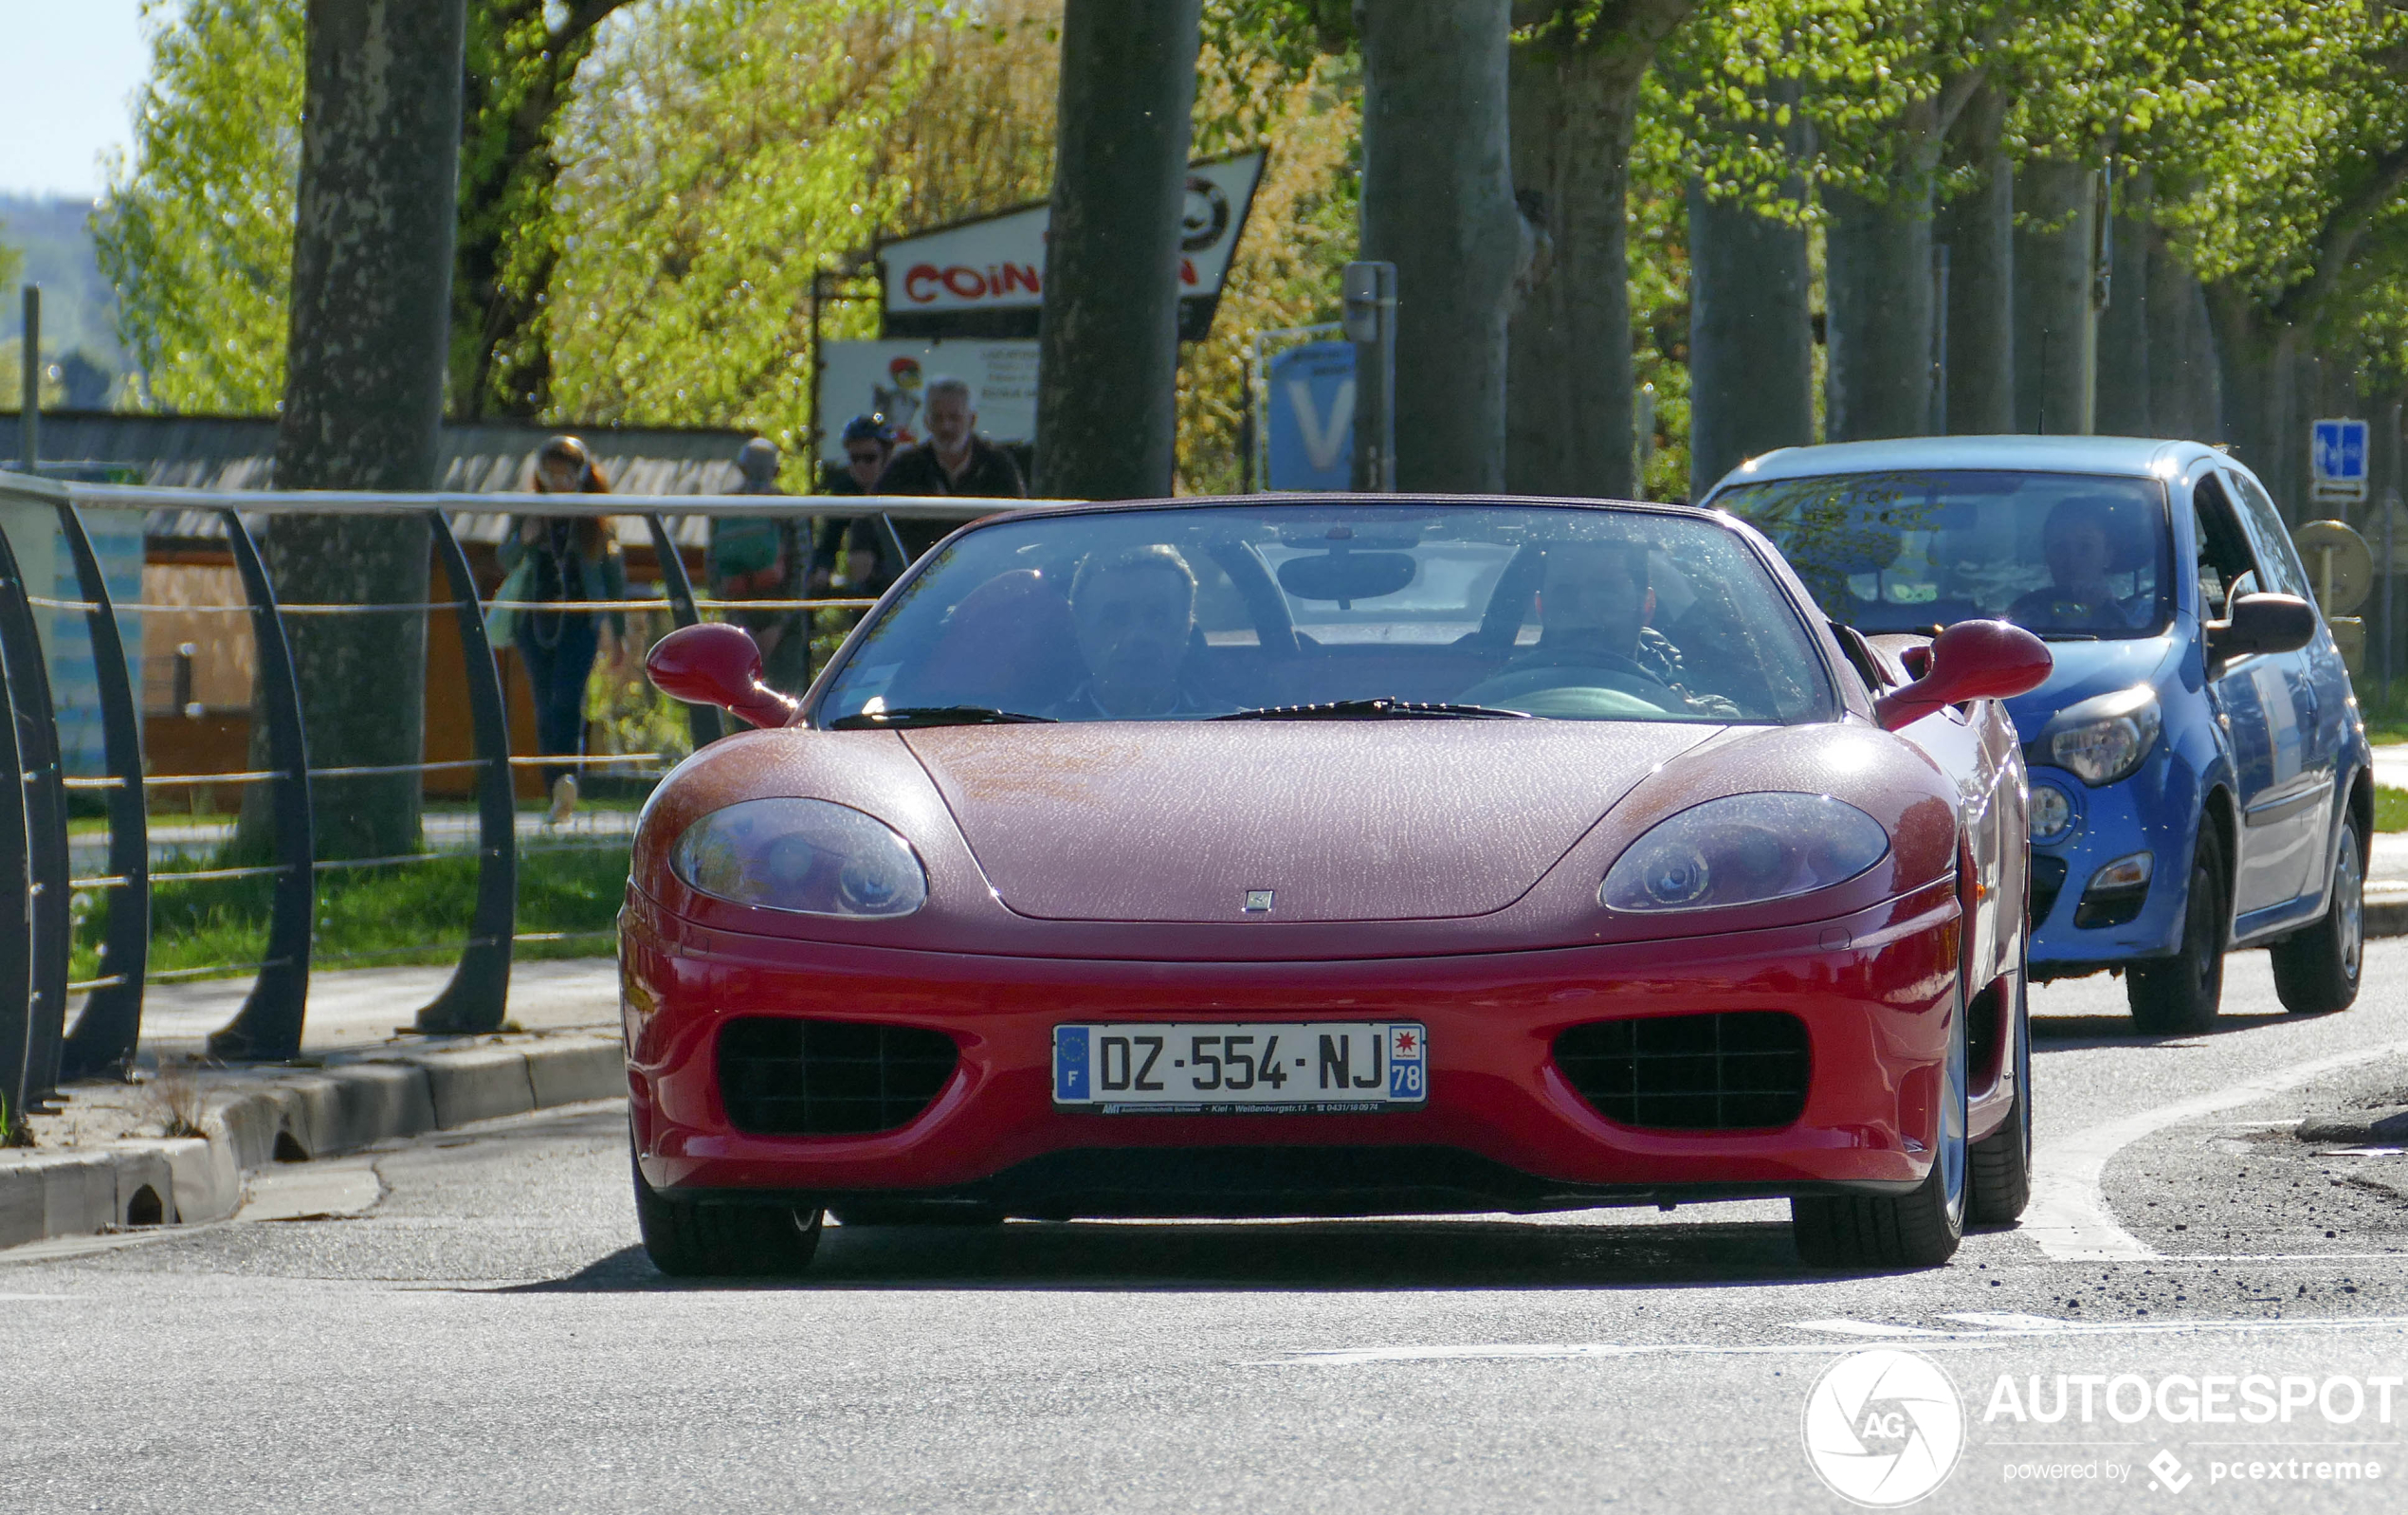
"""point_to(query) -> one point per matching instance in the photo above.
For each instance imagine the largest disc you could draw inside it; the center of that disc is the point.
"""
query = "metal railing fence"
(40, 1043)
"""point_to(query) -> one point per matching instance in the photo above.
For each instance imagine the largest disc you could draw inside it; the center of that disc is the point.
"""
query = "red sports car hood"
(1342, 820)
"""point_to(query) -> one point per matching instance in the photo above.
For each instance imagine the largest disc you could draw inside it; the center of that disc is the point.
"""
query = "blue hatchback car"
(2199, 772)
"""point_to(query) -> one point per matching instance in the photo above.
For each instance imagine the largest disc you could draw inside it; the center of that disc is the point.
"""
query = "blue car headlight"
(2103, 739)
(809, 856)
(1743, 849)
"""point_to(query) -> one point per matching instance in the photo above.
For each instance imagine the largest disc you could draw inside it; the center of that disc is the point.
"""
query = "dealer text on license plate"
(1222, 1069)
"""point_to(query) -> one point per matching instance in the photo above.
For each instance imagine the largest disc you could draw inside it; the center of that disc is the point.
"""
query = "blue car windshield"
(2072, 556)
(1344, 610)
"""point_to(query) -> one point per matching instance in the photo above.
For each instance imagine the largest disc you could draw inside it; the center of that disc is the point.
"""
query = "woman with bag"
(553, 561)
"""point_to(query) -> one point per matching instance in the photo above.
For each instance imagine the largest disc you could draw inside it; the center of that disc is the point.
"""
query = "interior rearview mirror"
(1347, 576)
(715, 665)
(2261, 623)
(1971, 659)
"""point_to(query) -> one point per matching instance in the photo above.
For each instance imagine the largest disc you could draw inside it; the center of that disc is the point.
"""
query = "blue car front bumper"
(2154, 811)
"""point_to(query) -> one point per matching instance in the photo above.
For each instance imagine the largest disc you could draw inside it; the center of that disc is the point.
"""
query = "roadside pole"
(1371, 325)
(29, 389)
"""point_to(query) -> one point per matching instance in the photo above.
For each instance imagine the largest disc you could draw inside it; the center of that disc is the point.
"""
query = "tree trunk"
(1108, 336)
(1878, 295)
(2254, 372)
(2182, 383)
(516, 82)
(1751, 336)
(2125, 354)
(1437, 201)
(1978, 228)
(2056, 337)
(363, 398)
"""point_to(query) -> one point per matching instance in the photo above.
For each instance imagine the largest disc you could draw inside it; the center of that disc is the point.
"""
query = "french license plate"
(1304, 1068)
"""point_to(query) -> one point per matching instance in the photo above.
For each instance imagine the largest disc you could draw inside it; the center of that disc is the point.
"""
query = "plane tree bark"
(1576, 80)
(1978, 228)
(2055, 333)
(363, 398)
(1108, 334)
(1437, 202)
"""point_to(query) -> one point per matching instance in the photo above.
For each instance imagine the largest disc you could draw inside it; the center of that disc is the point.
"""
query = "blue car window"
(2278, 562)
(2069, 555)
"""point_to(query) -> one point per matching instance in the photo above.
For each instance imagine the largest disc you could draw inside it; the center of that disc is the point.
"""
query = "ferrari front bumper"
(1503, 1128)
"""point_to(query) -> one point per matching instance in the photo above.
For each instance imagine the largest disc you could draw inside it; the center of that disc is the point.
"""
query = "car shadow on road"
(1191, 1256)
(2056, 1034)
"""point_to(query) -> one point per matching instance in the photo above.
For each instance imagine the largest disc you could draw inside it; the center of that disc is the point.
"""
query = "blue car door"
(2228, 565)
(2296, 813)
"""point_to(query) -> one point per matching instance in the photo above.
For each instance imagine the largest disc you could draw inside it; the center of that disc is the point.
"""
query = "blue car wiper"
(1382, 708)
(909, 717)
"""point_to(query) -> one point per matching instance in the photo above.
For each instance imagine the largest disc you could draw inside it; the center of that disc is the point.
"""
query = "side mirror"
(2261, 623)
(714, 665)
(1971, 659)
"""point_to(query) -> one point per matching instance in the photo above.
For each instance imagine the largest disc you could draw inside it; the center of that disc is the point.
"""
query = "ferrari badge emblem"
(1258, 902)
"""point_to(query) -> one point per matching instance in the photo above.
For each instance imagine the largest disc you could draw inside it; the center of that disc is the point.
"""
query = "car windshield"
(2072, 557)
(1337, 611)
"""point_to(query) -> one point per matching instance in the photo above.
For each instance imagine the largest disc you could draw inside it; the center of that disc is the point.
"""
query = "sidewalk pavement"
(107, 1160)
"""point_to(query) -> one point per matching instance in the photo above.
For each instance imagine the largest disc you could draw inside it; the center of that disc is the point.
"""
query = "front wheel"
(1917, 1230)
(2317, 971)
(723, 1240)
(2184, 993)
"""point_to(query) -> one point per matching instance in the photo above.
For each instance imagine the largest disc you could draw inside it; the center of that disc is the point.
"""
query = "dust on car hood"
(1342, 820)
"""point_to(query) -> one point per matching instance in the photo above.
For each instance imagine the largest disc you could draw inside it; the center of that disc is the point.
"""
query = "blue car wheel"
(2181, 994)
(2317, 970)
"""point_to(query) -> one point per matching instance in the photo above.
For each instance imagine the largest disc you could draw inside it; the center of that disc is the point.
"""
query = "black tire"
(724, 1239)
(2316, 972)
(1917, 1230)
(2001, 1162)
(2181, 994)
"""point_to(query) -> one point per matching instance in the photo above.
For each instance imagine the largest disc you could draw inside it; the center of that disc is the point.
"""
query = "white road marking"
(1864, 1328)
(2069, 1216)
(2006, 1320)
(1941, 1341)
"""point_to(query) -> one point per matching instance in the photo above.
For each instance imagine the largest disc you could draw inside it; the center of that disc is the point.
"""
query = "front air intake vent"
(785, 1077)
(1724, 1072)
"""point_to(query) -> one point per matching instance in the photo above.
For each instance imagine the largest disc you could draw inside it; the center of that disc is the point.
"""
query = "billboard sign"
(986, 277)
(891, 378)
(1308, 414)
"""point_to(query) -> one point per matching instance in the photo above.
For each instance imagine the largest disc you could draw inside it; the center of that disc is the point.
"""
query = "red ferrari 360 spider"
(1335, 856)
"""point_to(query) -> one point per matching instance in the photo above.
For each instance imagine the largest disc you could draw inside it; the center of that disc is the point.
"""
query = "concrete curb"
(2358, 1128)
(295, 1115)
(2386, 910)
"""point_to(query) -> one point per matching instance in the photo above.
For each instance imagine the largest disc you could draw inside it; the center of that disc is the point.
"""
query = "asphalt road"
(466, 1323)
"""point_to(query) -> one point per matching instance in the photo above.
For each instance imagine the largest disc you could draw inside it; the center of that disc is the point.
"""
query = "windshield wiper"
(910, 717)
(2069, 636)
(1383, 708)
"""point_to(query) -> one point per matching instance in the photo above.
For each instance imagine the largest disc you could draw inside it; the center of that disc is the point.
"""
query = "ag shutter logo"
(1884, 1428)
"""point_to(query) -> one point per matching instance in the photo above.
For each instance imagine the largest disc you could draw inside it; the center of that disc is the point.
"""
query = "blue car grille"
(2047, 883)
(1737, 1071)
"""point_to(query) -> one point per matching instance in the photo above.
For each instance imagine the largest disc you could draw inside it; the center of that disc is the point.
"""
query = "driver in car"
(2078, 542)
(1595, 601)
(1135, 614)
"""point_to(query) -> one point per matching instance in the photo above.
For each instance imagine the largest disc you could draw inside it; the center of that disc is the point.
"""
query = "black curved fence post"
(269, 1025)
(40, 800)
(701, 719)
(16, 875)
(477, 998)
(110, 1028)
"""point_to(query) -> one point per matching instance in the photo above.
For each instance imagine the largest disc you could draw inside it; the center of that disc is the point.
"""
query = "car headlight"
(1743, 849)
(809, 856)
(2100, 740)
